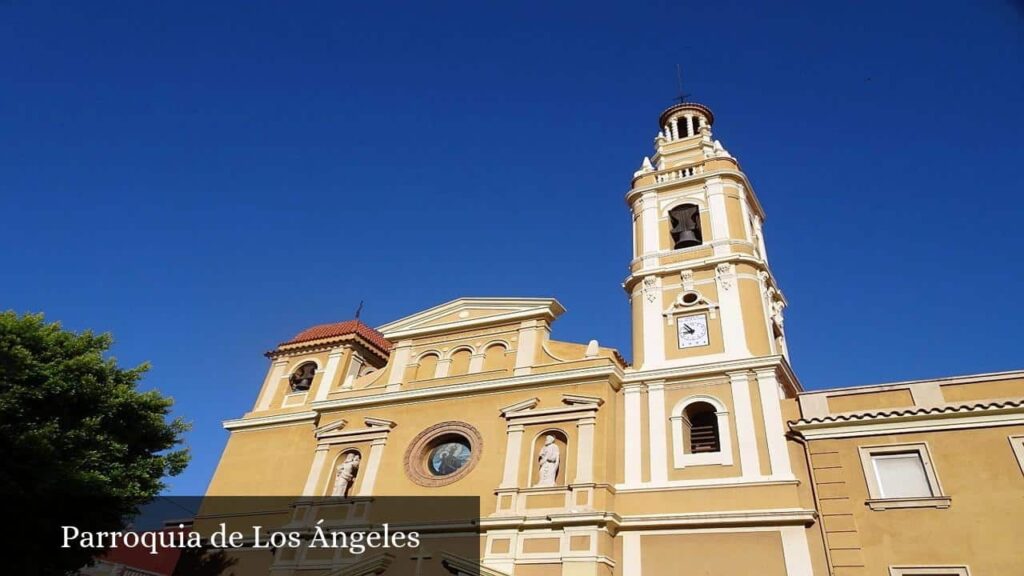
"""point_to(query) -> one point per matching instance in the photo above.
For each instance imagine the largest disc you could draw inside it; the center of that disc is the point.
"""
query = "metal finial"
(679, 78)
(359, 310)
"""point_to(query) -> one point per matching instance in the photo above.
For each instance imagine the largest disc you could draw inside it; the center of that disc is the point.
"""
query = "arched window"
(700, 432)
(460, 363)
(427, 367)
(685, 220)
(494, 357)
(302, 378)
(703, 428)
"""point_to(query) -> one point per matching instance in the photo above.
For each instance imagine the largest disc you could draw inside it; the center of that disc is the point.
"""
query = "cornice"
(610, 371)
(275, 420)
(777, 362)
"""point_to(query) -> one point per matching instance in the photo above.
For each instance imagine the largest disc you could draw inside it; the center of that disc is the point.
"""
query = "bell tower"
(700, 286)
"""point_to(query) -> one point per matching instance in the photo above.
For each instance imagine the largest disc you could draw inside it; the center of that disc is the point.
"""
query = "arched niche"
(562, 442)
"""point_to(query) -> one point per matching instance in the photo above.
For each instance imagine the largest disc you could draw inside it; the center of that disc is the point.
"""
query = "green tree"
(79, 442)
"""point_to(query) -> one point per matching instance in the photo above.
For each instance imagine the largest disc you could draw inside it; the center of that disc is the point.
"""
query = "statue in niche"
(346, 474)
(549, 460)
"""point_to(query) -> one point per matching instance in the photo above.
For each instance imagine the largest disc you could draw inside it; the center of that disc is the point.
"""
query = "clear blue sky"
(205, 181)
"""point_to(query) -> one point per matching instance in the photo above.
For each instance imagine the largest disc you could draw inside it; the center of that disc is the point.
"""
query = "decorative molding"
(267, 421)
(506, 310)
(419, 450)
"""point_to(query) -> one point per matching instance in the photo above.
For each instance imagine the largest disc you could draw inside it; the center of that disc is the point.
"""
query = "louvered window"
(704, 435)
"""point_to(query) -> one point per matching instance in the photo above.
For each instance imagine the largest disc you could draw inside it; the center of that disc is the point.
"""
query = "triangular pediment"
(466, 313)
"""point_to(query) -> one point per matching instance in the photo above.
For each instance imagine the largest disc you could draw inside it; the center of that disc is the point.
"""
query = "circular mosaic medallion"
(443, 453)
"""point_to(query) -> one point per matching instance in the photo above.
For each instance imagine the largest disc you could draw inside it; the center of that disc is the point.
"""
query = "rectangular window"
(901, 476)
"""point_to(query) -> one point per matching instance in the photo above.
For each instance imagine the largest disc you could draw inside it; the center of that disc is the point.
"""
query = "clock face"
(693, 330)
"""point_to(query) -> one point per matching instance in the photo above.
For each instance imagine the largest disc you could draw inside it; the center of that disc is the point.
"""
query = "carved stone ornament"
(650, 288)
(726, 273)
(687, 277)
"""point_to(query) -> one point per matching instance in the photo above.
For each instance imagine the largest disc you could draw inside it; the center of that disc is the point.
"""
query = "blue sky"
(204, 181)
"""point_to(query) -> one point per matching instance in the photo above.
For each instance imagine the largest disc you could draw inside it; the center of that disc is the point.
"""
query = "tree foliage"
(76, 432)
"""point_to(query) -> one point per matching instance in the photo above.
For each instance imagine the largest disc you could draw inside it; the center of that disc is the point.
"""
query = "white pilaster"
(513, 453)
(333, 360)
(650, 239)
(653, 322)
(372, 468)
(718, 214)
(778, 452)
(585, 450)
(734, 332)
(526, 352)
(656, 428)
(476, 363)
(746, 439)
(796, 552)
(443, 365)
(631, 556)
(315, 471)
(689, 125)
(354, 365)
(270, 386)
(399, 361)
(632, 460)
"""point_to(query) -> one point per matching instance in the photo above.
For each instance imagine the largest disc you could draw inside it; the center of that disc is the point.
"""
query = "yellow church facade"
(702, 456)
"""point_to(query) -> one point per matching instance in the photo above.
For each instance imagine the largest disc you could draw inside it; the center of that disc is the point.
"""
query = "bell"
(685, 226)
(685, 238)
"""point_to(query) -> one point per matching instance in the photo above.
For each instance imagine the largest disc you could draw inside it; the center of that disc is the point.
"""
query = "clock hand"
(688, 329)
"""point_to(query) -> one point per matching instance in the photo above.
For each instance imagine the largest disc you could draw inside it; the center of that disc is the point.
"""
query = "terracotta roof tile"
(921, 411)
(337, 329)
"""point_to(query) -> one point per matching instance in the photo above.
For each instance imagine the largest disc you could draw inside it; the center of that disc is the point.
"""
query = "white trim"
(631, 554)
(730, 482)
(333, 360)
(267, 421)
(454, 389)
(315, 471)
(875, 490)
(632, 460)
(513, 453)
(929, 570)
(656, 431)
(274, 376)
(746, 438)
(399, 360)
(680, 451)
(746, 519)
(376, 454)
(507, 309)
(796, 551)
(771, 410)
(526, 350)
(653, 326)
(585, 450)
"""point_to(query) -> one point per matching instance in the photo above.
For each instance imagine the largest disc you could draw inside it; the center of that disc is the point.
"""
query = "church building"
(703, 455)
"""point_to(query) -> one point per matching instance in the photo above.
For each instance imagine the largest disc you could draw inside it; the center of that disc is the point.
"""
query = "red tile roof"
(337, 329)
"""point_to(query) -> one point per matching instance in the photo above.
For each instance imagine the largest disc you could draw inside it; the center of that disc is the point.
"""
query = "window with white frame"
(1017, 443)
(929, 571)
(700, 433)
(901, 475)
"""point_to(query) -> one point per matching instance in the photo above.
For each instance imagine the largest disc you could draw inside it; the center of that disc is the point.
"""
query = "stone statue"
(549, 461)
(345, 474)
